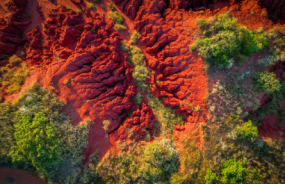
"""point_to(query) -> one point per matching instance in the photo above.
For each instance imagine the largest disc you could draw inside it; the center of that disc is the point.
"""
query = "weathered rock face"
(91, 73)
(275, 8)
(11, 30)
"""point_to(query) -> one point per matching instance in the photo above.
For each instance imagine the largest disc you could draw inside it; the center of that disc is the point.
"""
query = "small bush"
(277, 36)
(116, 17)
(137, 55)
(267, 81)
(27, 15)
(14, 78)
(124, 46)
(78, 11)
(119, 27)
(112, 7)
(233, 172)
(263, 13)
(138, 98)
(141, 74)
(134, 37)
(211, 178)
(91, 5)
(102, 6)
(248, 131)
(268, 60)
(93, 31)
(160, 160)
(14, 60)
(202, 23)
(68, 8)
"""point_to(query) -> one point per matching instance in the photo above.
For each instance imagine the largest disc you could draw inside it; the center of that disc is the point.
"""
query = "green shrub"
(14, 78)
(277, 36)
(68, 8)
(267, 81)
(112, 7)
(137, 55)
(141, 74)
(248, 131)
(91, 5)
(160, 160)
(119, 27)
(93, 31)
(211, 178)
(14, 60)
(202, 23)
(124, 46)
(233, 172)
(78, 11)
(134, 37)
(138, 98)
(222, 38)
(116, 17)
(27, 15)
(36, 142)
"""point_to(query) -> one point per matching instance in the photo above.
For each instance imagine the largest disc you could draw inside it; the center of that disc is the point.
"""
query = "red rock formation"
(11, 30)
(91, 74)
(275, 8)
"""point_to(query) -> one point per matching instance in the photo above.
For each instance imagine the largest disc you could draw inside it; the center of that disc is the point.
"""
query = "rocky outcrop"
(275, 9)
(11, 30)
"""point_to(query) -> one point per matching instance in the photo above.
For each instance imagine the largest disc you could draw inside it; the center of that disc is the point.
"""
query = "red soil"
(18, 177)
(91, 74)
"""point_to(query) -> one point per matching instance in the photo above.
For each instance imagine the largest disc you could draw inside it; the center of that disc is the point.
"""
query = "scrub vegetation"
(222, 39)
(118, 19)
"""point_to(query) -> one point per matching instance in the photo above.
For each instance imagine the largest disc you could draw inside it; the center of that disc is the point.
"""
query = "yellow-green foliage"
(134, 37)
(141, 74)
(267, 81)
(14, 60)
(13, 78)
(38, 111)
(36, 142)
(151, 163)
(119, 27)
(165, 115)
(278, 39)
(222, 38)
(137, 55)
(118, 19)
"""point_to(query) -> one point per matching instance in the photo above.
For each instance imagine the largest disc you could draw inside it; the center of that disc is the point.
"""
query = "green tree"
(160, 160)
(248, 131)
(211, 178)
(36, 142)
(233, 171)
(267, 81)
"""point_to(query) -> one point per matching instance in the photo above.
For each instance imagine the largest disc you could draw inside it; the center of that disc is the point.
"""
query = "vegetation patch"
(13, 75)
(35, 136)
(221, 39)
(118, 19)
(151, 163)
(267, 82)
